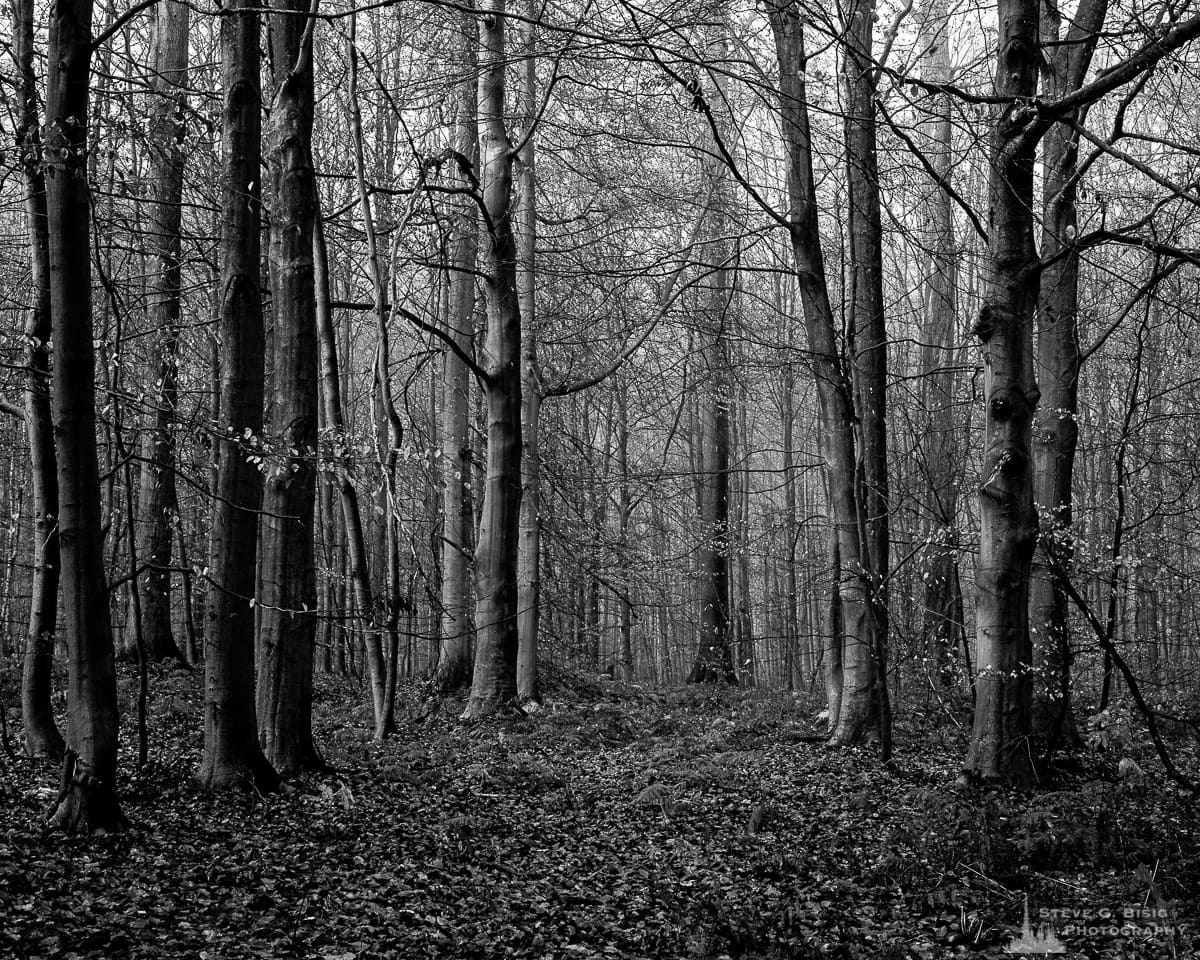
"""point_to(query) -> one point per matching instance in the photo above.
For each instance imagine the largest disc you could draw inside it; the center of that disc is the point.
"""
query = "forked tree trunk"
(857, 703)
(289, 589)
(495, 676)
(88, 798)
(454, 654)
(1000, 749)
(232, 756)
(1058, 362)
(42, 737)
(156, 501)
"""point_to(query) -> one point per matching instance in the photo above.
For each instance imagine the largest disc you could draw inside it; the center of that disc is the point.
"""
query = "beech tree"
(495, 675)
(454, 656)
(88, 798)
(856, 698)
(42, 737)
(232, 755)
(156, 502)
(289, 589)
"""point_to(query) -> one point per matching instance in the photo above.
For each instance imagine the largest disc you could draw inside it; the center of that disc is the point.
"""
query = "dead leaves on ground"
(616, 822)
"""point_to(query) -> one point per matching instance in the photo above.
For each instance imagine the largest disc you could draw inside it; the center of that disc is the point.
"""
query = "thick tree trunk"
(495, 676)
(865, 713)
(1000, 749)
(156, 502)
(856, 713)
(42, 737)
(232, 755)
(942, 615)
(1055, 428)
(454, 655)
(88, 798)
(289, 589)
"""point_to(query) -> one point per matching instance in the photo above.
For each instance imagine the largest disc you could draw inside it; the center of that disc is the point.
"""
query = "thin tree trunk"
(454, 655)
(88, 798)
(42, 737)
(714, 658)
(940, 624)
(376, 664)
(156, 502)
(232, 757)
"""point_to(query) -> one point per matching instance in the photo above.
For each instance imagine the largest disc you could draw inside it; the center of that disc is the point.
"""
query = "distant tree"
(454, 655)
(157, 501)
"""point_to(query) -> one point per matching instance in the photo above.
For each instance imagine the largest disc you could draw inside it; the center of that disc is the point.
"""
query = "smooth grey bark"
(852, 594)
(865, 710)
(529, 537)
(232, 756)
(454, 653)
(87, 800)
(1055, 427)
(494, 680)
(386, 600)
(156, 501)
(42, 736)
(287, 534)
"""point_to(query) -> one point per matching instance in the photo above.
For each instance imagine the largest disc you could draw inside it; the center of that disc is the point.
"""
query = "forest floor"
(617, 822)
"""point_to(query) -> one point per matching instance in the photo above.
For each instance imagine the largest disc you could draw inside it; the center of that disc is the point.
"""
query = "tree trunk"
(529, 539)
(454, 655)
(383, 617)
(1058, 361)
(714, 657)
(495, 675)
(42, 737)
(856, 718)
(289, 589)
(942, 602)
(156, 502)
(999, 748)
(865, 712)
(335, 420)
(232, 755)
(88, 798)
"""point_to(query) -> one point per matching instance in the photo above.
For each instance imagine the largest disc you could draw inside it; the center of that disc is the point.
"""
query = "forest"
(560, 478)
